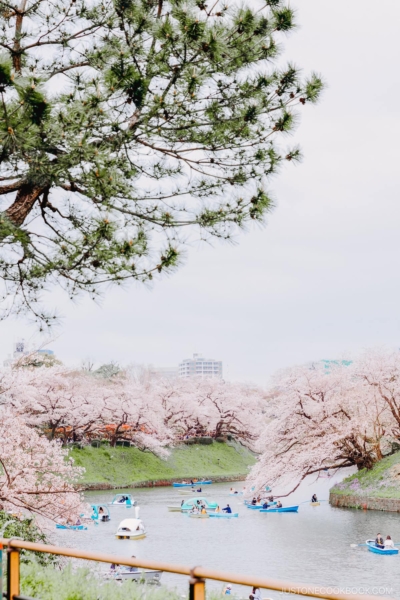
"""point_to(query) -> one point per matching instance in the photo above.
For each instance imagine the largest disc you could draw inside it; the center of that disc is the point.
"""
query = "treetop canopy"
(125, 124)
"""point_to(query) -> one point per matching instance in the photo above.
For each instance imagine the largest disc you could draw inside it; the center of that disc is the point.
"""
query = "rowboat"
(373, 548)
(314, 503)
(259, 506)
(280, 510)
(147, 575)
(196, 483)
(199, 515)
(223, 515)
(75, 527)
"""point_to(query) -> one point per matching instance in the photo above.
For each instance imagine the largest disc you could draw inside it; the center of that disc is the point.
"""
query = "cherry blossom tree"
(380, 372)
(35, 475)
(211, 407)
(62, 402)
(321, 418)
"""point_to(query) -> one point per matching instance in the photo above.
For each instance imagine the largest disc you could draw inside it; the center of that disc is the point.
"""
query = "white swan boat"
(131, 529)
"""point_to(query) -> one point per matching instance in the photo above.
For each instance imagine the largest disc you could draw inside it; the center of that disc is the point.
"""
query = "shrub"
(204, 440)
(73, 584)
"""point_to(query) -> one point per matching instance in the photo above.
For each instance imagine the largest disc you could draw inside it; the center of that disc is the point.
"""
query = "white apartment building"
(200, 367)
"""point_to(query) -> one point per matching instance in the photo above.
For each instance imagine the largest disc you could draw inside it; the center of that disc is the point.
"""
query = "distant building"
(200, 367)
(21, 350)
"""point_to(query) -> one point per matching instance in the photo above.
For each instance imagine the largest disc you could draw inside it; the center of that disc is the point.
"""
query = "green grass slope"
(383, 481)
(122, 467)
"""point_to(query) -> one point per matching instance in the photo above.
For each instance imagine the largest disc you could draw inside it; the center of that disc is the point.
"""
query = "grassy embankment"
(126, 467)
(383, 481)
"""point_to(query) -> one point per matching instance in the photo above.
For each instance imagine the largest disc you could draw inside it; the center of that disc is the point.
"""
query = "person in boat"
(78, 522)
(265, 505)
(182, 503)
(270, 499)
(279, 504)
(133, 569)
(121, 500)
(101, 510)
(255, 594)
(192, 482)
(227, 509)
(217, 510)
(227, 590)
(254, 501)
(314, 498)
(199, 490)
(203, 510)
(389, 542)
(379, 543)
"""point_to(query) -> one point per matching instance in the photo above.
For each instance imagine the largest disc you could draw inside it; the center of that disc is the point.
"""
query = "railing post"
(197, 587)
(1, 571)
(12, 573)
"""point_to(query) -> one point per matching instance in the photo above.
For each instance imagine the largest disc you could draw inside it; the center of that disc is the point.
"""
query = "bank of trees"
(76, 406)
(330, 415)
(44, 409)
(327, 415)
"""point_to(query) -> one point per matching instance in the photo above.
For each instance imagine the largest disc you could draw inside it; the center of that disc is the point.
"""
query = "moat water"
(308, 547)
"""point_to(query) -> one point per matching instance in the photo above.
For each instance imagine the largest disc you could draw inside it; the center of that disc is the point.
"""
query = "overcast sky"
(322, 277)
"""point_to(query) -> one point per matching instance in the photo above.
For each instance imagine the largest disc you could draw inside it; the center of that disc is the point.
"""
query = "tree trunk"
(23, 203)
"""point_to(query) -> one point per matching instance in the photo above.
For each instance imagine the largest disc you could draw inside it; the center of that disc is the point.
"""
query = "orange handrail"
(197, 574)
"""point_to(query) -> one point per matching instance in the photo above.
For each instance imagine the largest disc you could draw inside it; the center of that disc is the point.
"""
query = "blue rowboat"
(280, 510)
(76, 527)
(224, 515)
(259, 506)
(196, 483)
(376, 550)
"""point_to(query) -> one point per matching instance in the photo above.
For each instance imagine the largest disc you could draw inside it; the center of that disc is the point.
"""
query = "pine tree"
(128, 126)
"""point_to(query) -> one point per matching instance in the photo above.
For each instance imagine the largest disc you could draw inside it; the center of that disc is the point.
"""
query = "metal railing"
(197, 575)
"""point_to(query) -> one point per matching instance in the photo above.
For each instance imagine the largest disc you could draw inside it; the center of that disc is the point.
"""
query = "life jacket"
(379, 540)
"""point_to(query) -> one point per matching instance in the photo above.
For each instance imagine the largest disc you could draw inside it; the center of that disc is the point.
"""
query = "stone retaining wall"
(366, 503)
(157, 483)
